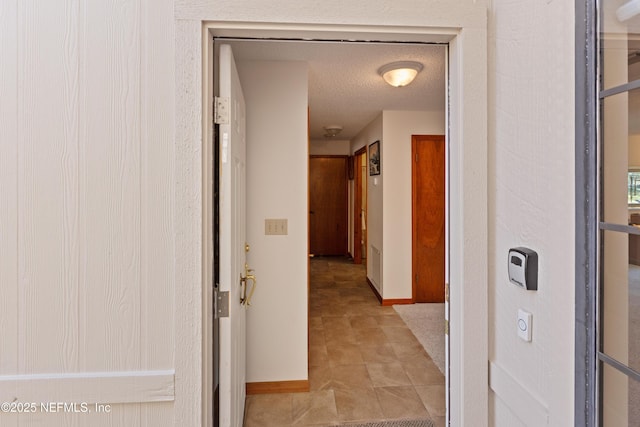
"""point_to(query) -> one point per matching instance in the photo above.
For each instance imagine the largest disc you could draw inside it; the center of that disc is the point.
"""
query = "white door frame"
(466, 34)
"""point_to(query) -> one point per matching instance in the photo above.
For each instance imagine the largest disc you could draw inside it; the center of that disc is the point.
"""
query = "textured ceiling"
(344, 85)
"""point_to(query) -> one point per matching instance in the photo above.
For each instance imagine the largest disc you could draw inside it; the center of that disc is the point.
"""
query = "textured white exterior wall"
(531, 203)
(87, 209)
(277, 171)
(397, 129)
(111, 95)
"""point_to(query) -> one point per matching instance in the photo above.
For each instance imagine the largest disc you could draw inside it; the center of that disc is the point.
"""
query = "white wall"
(531, 203)
(277, 170)
(88, 209)
(389, 223)
(397, 129)
(338, 147)
(100, 187)
(371, 133)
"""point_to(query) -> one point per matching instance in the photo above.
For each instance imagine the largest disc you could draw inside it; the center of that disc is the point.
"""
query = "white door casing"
(232, 134)
(464, 27)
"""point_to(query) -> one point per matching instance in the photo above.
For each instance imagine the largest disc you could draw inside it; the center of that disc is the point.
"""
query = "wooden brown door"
(328, 205)
(428, 188)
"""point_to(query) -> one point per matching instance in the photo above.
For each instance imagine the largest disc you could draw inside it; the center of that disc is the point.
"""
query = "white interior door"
(232, 134)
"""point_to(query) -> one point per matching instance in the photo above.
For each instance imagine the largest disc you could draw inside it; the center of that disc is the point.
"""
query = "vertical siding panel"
(157, 174)
(111, 197)
(70, 184)
(157, 181)
(157, 262)
(47, 201)
(8, 193)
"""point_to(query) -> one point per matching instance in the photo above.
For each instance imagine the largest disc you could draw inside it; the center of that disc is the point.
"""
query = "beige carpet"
(426, 321)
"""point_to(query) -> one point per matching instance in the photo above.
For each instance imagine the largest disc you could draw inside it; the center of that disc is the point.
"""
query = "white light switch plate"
(276, 227)
(524, 325)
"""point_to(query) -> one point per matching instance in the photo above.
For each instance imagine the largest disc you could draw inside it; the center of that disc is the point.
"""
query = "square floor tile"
(336, 336)
(268, 410)
(378, 353)
(348, 377)
(399, 334)
(391, 320)
(405, 351)
(319, 377)
(344, 354)
(358, 405)
(318, 356)
(366, 322)
(387, 374)
(336, 323)
(316, 407)
(422, 371)
(370, 336)
(433, 398)
(400, 402)
(315, 323)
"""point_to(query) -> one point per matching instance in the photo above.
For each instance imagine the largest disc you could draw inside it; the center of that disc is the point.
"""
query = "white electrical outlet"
(524, 325)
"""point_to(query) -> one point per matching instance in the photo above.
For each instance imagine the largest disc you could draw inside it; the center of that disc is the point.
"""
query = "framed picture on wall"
(374, 158)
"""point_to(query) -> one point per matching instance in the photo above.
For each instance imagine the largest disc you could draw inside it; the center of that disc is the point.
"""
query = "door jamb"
(359, 181)
(207, 230)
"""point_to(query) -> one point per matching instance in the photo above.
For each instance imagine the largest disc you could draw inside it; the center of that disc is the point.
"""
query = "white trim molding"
(517, 397)
(89, 387)
(466, 32)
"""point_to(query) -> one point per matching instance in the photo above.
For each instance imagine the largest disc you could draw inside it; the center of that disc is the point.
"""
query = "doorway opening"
(328, 199)
(360, 206)
(428, 188)
(462, 76)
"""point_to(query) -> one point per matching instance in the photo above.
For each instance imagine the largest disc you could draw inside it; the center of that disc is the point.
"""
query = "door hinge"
(221, 110)
(446, 292)
(222, 304)
(446, 327)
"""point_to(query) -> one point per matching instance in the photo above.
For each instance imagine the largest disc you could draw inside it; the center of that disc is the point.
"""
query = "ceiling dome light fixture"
(400, 73)
(332, 131)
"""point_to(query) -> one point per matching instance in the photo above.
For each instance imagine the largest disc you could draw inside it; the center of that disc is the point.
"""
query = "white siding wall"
(100, 212)
(87, 207)
(531, 203)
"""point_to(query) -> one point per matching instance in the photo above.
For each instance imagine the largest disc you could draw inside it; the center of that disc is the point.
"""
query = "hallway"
(364, 363)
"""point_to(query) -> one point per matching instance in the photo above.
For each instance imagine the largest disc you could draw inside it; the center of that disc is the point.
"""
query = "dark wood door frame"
(359, 178)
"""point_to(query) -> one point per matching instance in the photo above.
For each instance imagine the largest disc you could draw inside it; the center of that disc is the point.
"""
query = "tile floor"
(364, 363)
